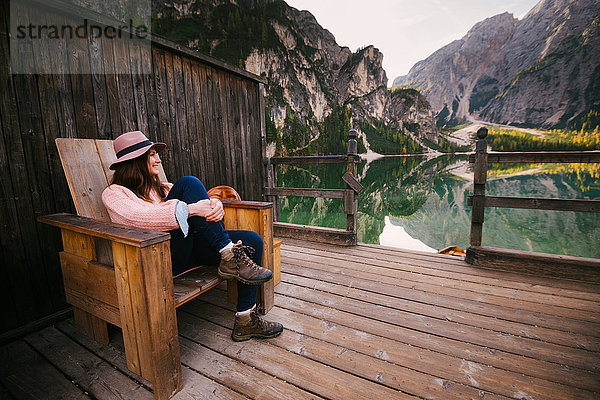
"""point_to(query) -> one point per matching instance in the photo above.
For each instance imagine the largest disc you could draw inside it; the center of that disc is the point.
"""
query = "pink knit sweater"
(125, 208)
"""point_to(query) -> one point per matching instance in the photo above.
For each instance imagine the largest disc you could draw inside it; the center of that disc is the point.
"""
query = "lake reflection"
(425, 201)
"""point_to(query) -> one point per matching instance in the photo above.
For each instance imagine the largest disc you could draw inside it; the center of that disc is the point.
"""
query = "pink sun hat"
(131, 145)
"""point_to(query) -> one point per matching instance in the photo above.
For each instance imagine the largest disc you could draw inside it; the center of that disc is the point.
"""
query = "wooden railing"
(350, 195)
(479, 201)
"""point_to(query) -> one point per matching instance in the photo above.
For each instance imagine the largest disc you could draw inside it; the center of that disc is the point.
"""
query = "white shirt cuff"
(181, 215)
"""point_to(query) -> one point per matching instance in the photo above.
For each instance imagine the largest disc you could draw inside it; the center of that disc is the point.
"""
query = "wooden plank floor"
(361, 323)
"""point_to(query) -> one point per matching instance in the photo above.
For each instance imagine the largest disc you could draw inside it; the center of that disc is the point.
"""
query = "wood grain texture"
(543, 157)
(580, 268)
(208, 125)
(13, 214)
(172, 138)
(163, 113)
(266, 290)
(239, 377)
(30, 376)
(99, 87)
(186, 287)
(159, 304)
(126, 100)
(277, 261)
(31, 160)
(134, 285)
(540, 203)
(81, 278)
(478, 204)
(336, 159)
(93, 374)
(245, 204)
(305, 192)
(201, 147)
(239, 113)
(90, 325)
(314, 233)
(79, 244)
(126, 308)
(139, 91)
(81, 86)
(112, 88)
(105, 230)
(275, 360)
(192, 115)
(102, 310)
(518, 307)
(85, 176)
(422, 273)
(90, 278)
(185, 158)
(438, 306)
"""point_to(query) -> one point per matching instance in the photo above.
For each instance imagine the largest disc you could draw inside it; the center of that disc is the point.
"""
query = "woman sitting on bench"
(137, 198)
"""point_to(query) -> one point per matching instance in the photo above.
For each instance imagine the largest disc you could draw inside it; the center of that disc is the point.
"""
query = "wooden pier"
(364, 322)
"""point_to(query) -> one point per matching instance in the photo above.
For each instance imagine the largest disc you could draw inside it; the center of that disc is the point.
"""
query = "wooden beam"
(579, 268)
(315, 234)
(105, 230)
(350, 206)
(266, 291)
(91, 325)
(255, 205)
(336, 159)
(90, 311)
(306, 192)
(479, 179)
(531, 203)
(89, 277)
(543, 157)
(104, 311)
(159, 307)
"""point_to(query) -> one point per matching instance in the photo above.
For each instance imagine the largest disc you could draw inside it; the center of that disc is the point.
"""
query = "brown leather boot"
(252, 326)
(235, 264)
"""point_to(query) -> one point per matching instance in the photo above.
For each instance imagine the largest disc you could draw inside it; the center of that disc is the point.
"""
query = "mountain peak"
(532, 71)
(491, 23)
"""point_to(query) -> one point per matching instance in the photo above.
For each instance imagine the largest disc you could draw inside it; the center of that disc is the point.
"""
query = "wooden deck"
(366, 322)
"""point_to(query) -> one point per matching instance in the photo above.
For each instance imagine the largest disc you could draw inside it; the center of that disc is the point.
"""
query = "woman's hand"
(211, 209)
(217, 212)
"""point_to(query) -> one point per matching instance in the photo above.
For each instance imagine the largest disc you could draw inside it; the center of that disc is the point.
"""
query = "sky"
(405, 31)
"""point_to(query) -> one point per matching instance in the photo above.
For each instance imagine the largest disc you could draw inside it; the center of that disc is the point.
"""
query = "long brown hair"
(134, 175)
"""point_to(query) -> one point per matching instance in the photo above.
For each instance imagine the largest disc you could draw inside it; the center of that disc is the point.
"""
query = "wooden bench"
(117, 274)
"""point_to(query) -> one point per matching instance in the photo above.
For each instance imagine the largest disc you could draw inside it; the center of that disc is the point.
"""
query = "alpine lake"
(420, 203)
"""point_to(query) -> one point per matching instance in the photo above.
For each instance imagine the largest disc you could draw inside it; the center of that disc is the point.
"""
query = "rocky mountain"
(316, 89)
(543, 70)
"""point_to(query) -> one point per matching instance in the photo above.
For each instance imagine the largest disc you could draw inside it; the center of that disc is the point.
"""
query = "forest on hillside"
(502, 139)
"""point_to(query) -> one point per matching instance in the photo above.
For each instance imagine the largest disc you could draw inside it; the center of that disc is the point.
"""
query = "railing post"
(351, 198)
(479, 179)
(272, 182)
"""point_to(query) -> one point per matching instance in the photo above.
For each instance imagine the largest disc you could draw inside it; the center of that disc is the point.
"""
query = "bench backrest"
(86, 164)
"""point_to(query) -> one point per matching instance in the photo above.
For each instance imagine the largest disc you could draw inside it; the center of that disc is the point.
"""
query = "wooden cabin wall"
(209, 117)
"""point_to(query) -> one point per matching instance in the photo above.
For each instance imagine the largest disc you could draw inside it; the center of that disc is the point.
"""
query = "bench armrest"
(106, 230)
(255, 205)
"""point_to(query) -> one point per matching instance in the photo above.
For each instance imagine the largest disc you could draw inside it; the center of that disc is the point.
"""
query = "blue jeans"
(205, 239)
